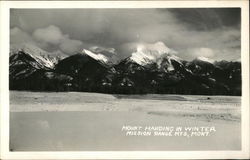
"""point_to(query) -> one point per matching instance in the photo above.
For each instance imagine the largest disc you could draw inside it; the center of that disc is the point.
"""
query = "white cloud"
(70, 46)
(99, 49)
(143, 46)
(51, 35)
(200, 52)
(204, 52)
(158, 46)
(49, 38)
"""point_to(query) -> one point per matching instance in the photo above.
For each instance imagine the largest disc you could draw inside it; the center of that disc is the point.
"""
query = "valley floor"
(74, 121)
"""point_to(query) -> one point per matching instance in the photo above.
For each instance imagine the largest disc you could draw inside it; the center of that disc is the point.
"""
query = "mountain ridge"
(88, 71)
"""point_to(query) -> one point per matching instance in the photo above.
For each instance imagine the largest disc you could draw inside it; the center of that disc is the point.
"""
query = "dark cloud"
(183, 30)
(208, 18)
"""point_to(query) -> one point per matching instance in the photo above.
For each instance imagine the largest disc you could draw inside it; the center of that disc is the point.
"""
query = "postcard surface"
(125, 80)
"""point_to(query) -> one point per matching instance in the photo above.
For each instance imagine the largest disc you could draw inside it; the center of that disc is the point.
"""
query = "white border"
(4, 91)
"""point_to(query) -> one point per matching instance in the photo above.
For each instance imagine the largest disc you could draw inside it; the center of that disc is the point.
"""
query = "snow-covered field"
(72, 121)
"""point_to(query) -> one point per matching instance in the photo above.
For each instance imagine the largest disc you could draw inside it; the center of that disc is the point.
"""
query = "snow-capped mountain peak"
(157, 53)
(98, 57)
(109, 53)
(151, 53)
(205, 59)
(42, 57)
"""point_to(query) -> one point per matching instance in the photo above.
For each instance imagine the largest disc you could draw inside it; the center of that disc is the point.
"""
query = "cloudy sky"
(212, 33)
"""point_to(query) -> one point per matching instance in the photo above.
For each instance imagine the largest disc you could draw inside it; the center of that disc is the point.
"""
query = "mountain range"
(145, 71)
